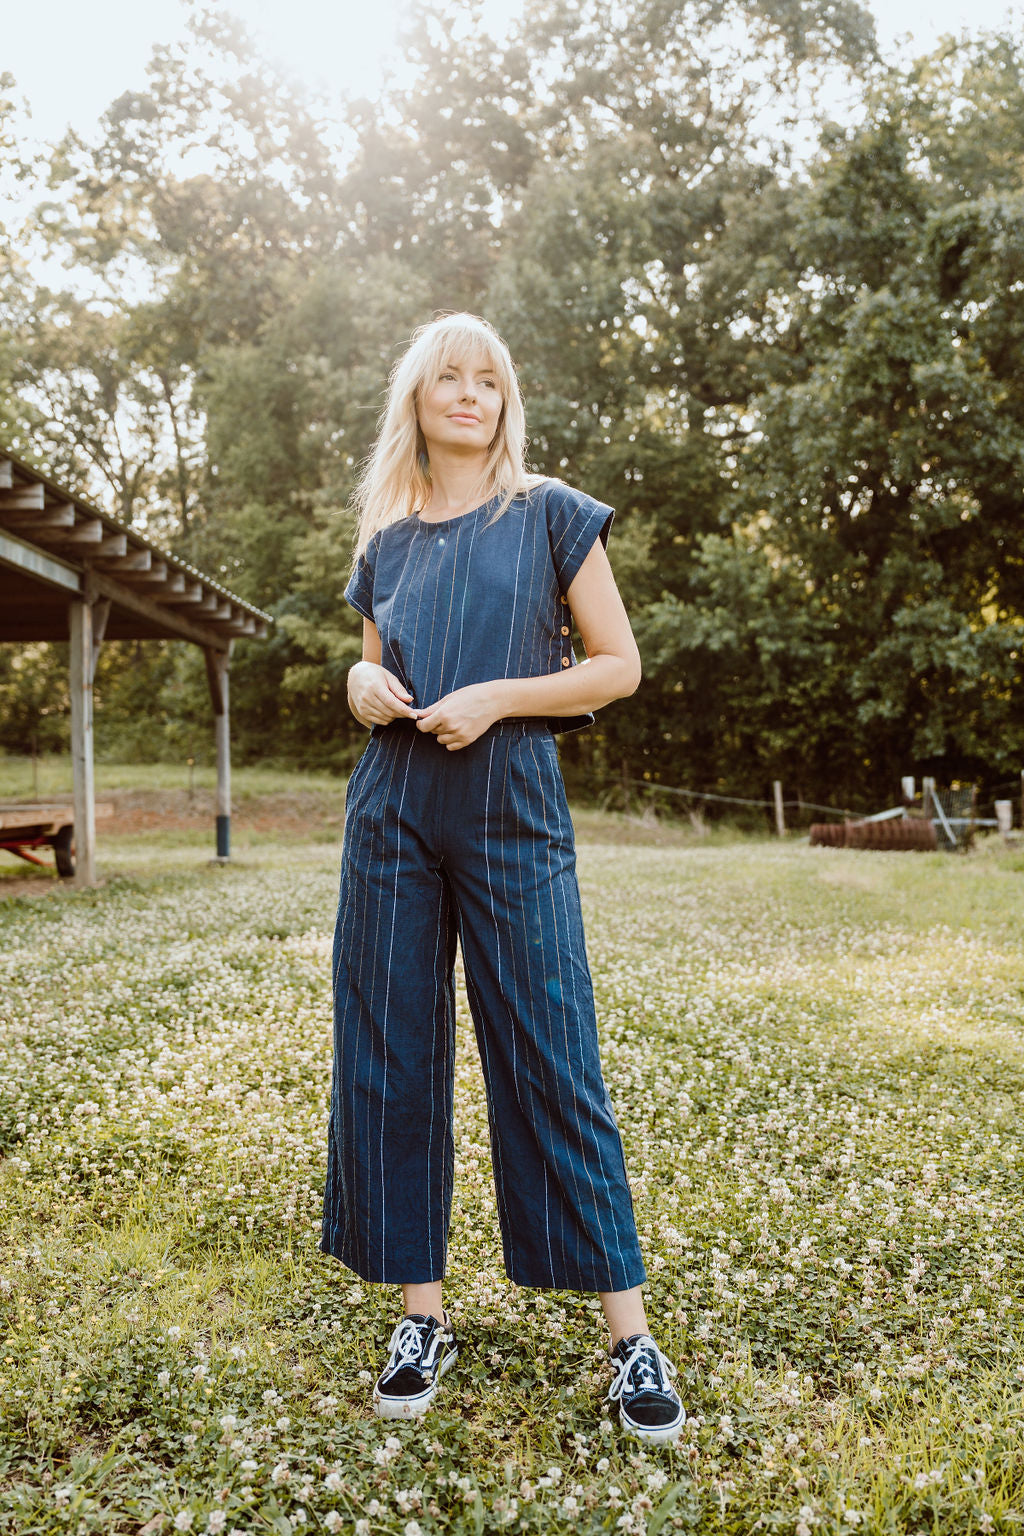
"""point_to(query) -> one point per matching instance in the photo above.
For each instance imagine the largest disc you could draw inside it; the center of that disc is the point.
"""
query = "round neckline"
(446, 522)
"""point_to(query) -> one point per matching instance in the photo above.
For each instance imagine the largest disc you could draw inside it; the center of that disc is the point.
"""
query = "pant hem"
(549, 1282)
(375, 1276)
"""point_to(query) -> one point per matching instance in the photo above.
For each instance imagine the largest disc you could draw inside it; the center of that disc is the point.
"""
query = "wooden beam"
(161, 615)
(80, 619)
(100, 615)
(155, 572)
(23, 498)
(6, 474)
(112, 544)
(217, 665)
(88, 532)
(26, 557)
(192, 592)
(135, 560)
(24, 518)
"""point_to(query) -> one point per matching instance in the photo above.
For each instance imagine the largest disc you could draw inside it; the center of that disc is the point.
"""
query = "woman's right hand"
(376, 696)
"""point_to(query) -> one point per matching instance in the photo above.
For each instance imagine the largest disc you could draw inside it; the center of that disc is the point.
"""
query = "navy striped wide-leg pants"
(476, 844)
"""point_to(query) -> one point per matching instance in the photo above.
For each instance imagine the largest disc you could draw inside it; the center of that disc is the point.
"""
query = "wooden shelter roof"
(56, 548)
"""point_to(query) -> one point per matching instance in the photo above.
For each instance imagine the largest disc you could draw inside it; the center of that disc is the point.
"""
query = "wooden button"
(565, 661)
(565, 629)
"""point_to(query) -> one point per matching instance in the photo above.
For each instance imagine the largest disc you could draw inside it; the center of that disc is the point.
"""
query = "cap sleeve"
(575, 523)
(359, 592)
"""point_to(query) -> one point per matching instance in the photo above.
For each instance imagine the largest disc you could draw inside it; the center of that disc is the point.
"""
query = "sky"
(71, 60)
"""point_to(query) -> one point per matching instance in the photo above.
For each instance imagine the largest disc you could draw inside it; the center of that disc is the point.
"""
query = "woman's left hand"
(460, 717)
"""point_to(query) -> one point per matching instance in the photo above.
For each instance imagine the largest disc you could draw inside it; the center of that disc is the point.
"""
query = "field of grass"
(816, 1061)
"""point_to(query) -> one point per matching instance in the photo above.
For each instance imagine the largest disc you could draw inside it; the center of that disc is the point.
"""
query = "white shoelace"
(406, 1345)
(647, 1369)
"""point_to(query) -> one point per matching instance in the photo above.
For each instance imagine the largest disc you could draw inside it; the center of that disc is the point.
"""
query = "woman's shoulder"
(559, 495)
(390, 534)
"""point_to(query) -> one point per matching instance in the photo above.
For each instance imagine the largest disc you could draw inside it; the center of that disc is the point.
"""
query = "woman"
(468, 570)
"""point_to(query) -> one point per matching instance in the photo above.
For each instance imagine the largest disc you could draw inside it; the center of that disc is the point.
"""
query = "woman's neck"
(456, 481)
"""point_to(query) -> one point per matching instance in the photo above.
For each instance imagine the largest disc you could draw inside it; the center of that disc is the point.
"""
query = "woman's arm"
(375, 695)
(611, 670)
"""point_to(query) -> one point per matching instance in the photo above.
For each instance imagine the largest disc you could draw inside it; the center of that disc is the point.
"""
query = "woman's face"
(460, 409)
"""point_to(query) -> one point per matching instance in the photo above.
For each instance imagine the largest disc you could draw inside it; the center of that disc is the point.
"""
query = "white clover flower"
(413, 1528)
(163, 1378)
(333, 1522)
(183, 1520)
(333, 1482)
(216, 1523)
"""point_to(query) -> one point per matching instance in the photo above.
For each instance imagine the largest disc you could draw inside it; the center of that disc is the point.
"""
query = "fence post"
(780, 820)
(928, 798)
(908, 785)
(1004, 816)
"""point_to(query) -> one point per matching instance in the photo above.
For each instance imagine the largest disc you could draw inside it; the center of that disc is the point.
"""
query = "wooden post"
(1004, 816)
(908, 787)
(217, 667)
(780, 820)
(928, 798)
(82, 654)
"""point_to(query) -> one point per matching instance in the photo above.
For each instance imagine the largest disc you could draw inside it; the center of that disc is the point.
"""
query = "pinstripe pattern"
(469, 599)
(477, 842)
(475, 845)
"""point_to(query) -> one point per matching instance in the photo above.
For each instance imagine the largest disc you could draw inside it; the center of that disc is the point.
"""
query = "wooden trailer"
(24, 829)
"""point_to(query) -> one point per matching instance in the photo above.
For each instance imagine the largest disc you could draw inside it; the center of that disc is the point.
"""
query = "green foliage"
(799, 385)
(815, 1063)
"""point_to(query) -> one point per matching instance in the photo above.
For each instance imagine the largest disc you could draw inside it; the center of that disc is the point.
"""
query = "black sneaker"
(420, 1351)
(649, 1406)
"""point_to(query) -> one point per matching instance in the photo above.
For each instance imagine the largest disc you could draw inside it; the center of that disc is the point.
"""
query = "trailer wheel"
(63, 852)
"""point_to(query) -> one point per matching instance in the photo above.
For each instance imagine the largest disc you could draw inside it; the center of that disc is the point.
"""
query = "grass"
(816, 1061)
(52, 776)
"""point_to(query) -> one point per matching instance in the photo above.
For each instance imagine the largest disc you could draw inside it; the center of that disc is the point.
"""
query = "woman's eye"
(490, 384)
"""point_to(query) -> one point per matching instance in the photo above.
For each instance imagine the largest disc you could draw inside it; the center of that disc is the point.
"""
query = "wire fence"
(960, 803)
(636, 785)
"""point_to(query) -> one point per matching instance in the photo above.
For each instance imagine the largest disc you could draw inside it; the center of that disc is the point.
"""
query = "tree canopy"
(789, 351)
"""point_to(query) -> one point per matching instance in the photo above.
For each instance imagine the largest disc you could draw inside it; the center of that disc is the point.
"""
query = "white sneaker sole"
(654, 1434)
(411, 1407)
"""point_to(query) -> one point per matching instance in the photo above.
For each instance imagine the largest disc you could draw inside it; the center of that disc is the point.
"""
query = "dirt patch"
(303, 815)
(298, 814)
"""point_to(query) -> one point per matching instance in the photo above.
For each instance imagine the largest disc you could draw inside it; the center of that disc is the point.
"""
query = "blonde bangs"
(396, 478)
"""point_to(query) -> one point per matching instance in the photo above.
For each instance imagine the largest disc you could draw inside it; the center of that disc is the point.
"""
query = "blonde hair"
(395, 481)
